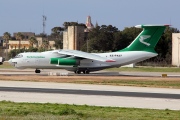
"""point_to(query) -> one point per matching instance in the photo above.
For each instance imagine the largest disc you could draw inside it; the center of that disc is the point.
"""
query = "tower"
(89, 24)
(73, 38)
(44, 24)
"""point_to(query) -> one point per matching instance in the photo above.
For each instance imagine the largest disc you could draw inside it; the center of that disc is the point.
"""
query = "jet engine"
(64, 61)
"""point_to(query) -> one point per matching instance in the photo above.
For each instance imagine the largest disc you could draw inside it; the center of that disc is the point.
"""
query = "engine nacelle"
(64, 61)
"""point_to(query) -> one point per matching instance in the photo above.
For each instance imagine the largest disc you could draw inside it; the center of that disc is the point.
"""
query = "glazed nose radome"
(10, 62)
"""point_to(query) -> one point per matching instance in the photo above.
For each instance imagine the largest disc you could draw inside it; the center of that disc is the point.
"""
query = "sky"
(26, 15)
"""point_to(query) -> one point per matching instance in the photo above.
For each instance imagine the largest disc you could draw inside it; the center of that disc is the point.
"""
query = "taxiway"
(61, 72)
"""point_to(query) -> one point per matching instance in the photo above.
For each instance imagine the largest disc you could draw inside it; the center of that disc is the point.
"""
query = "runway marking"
(91, 92)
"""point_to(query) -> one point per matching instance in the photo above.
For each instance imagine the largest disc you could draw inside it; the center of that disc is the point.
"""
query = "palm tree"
(6, 37)
(19, 36)
(32, 41)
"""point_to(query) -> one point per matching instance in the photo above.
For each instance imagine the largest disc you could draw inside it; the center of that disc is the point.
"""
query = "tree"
(164, 46)
(45, 44)
(101, 38)
(66, 24)
(58, 36)
(6, 37)
(32, 41)
(14, 52)
(20, 37)
(125, 37)
(57, 30)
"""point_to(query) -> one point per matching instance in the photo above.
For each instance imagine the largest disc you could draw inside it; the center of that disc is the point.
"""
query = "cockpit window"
(19, 56)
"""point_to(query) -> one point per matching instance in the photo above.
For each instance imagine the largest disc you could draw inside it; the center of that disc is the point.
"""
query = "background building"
(176, 49)
(14, 44)
(73, 38)
(89, 24)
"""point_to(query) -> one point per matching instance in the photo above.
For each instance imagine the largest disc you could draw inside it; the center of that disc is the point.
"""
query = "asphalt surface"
(91, 92)
(96, 95)
(61, 72)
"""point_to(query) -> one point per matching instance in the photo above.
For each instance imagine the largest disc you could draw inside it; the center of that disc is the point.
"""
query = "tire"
(77, 72)
(37, 71)
(86, 71)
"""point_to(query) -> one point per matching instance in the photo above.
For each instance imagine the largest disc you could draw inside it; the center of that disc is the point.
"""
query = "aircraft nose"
(10, 62)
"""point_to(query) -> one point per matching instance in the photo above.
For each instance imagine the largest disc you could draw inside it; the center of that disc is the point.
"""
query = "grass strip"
(138, 83)
(6, 65)
(145, 69)
(38, 111)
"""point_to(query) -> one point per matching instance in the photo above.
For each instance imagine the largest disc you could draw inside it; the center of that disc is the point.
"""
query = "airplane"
(140, 49)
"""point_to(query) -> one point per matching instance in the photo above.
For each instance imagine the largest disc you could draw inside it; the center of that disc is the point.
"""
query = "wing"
(85, 55)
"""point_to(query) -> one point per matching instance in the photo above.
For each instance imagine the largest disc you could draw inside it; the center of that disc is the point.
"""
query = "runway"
(91, 92)
(98, 95)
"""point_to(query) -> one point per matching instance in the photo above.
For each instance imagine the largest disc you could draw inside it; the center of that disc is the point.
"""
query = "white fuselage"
(41, 60)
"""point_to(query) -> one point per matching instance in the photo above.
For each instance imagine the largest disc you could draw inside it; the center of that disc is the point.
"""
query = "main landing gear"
(37, 71)
(79, 71)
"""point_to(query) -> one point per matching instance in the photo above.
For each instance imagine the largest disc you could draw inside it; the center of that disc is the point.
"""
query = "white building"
(176, 49)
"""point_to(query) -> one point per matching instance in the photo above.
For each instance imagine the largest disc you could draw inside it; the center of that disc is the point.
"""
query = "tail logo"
(144, 37)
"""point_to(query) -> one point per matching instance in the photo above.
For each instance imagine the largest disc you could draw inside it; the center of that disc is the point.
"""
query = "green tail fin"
(147, 39)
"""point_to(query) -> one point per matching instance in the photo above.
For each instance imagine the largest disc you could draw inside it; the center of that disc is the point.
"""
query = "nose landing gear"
(37, 71)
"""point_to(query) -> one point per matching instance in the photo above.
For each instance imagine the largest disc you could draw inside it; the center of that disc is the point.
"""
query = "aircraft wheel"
(37, 71)
(86, 71)
(77, 72)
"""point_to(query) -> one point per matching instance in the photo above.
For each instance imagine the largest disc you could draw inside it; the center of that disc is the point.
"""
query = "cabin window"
(19, 56)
